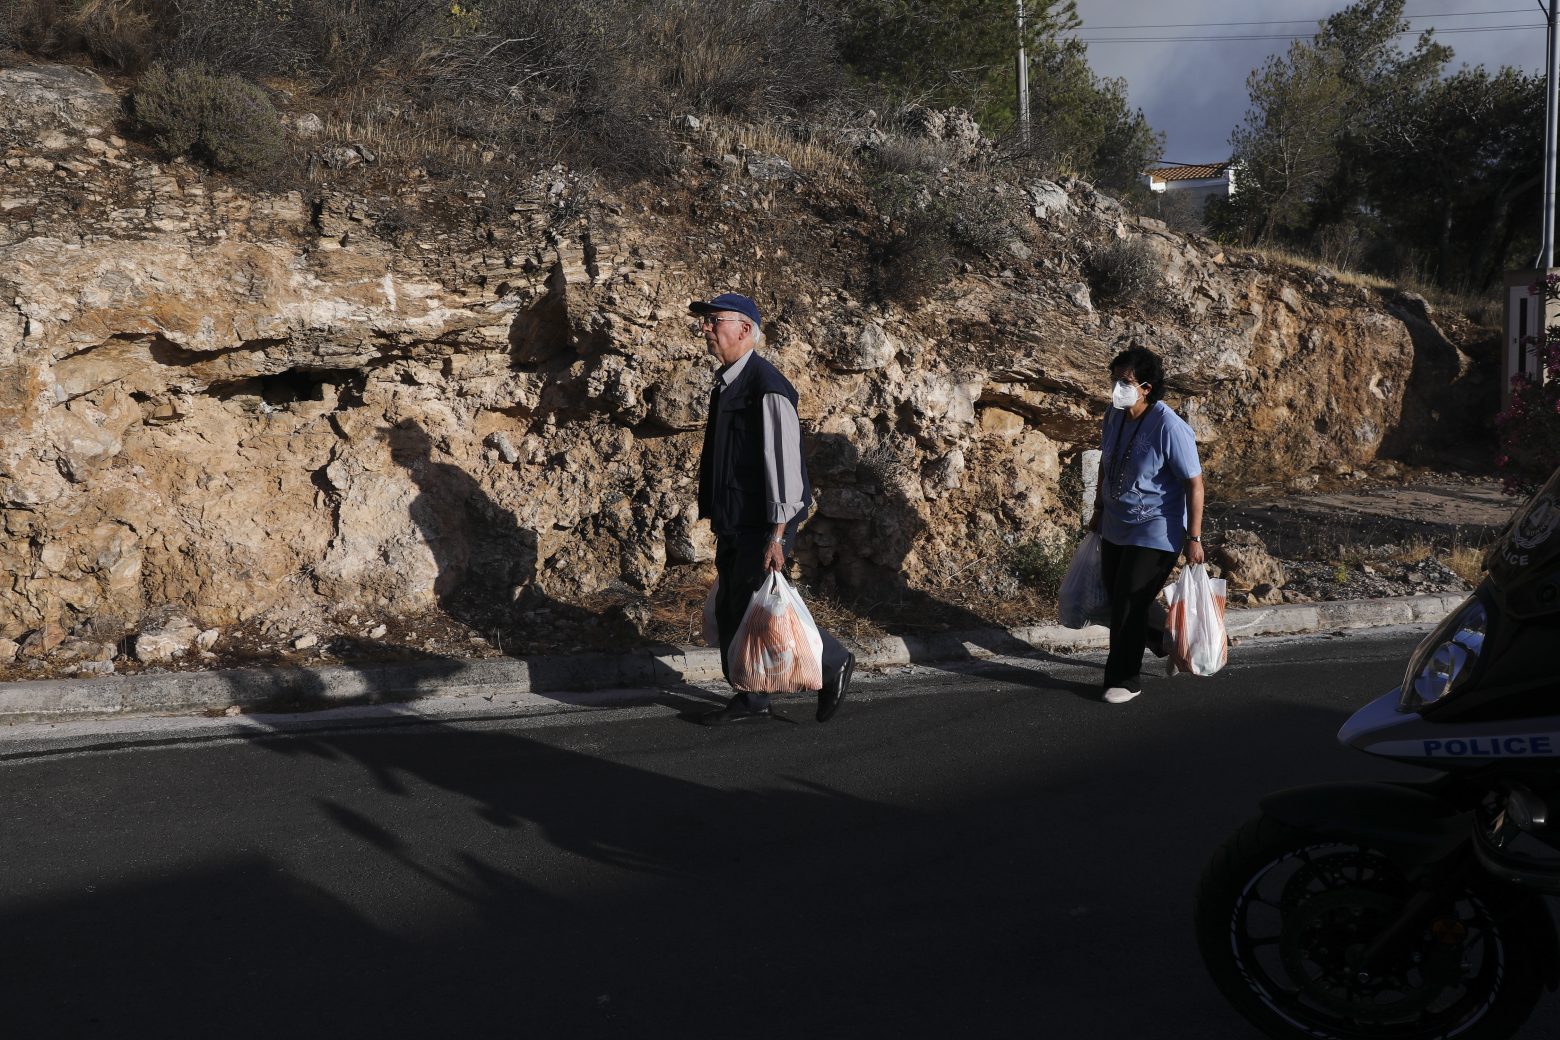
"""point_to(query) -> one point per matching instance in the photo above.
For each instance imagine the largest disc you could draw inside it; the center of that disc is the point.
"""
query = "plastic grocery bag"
(1195, 636)
(777, 648)
(1083, 598)
(711, 629)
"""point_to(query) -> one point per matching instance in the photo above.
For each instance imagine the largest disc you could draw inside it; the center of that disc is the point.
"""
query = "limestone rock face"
(57, 98)
(225, 404)
(866, 349)
(1246, 564)
(163, 644)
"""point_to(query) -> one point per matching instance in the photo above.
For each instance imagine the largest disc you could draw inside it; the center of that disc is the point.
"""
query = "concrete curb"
(299, 689)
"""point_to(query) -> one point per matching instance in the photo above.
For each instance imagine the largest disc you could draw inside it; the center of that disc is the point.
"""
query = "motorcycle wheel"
(1283, 914)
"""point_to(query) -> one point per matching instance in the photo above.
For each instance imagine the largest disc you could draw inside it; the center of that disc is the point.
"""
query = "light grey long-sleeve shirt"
(782, 450)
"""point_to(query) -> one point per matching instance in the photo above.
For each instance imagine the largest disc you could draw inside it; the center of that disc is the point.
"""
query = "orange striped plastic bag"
(777, 648)
(1194, 626)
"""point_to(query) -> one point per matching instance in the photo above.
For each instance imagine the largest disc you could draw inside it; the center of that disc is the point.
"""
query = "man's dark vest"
(732, 492)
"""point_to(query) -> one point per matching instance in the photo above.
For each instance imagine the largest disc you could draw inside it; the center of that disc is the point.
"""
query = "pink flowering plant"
(1529, 427)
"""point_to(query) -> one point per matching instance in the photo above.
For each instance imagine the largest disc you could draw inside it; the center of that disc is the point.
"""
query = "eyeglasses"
(708, 319)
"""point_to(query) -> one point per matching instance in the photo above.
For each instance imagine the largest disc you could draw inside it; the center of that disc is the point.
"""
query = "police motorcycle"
(1416, 909)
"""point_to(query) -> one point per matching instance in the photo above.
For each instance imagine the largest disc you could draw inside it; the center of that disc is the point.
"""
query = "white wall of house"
(1201, 189)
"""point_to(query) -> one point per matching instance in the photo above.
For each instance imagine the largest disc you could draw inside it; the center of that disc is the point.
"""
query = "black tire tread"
(1256, 843)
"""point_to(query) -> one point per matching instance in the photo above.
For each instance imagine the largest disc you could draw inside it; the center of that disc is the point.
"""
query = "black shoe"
(834, 689)
(738, 709)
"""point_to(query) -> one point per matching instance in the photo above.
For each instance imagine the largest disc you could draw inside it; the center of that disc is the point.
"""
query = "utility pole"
(1023, 75)
(1529, 315)
(1546, 256)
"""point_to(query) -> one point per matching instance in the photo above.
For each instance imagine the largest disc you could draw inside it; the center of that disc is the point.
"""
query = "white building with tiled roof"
(1203, 182)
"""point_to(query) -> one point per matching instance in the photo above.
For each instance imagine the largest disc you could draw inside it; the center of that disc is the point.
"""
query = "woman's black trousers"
(1133, 577)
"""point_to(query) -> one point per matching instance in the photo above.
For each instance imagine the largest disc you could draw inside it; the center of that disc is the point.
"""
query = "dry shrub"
(913, 156)
(219, 119)
(253, 38)
(1126, 269)
(348, 40)
(1180, 210)
(913, 258)
(979, 220)
(593, 83)
(677, 607)
(811, 150)
(581, 81)
(748, 56)
(929, 224)
(49, 28)
(43, 27)
(121, 33)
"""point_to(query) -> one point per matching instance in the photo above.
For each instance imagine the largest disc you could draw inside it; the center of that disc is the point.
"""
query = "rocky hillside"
(357, 398)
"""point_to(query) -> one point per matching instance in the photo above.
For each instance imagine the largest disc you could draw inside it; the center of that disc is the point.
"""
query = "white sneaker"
(1120, 695)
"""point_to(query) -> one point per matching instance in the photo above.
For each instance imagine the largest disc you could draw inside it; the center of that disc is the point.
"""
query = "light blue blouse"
(1143, 463)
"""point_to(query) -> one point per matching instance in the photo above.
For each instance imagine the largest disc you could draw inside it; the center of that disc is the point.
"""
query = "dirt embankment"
(284, 416)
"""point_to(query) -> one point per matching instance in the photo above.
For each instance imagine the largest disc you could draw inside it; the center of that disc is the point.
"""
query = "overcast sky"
(1195, 90)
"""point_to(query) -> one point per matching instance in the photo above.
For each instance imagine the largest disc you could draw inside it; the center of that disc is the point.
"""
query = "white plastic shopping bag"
(1083, 598)
(711, 629)
(777, 648)
(1195, 636)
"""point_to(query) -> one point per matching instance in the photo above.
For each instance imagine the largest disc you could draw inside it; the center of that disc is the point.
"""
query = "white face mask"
(1124, 395)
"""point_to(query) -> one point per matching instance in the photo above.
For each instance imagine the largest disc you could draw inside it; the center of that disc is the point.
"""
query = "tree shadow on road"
(993, 898)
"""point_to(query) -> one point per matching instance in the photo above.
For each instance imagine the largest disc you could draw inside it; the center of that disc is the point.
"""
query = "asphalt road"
(981, 851)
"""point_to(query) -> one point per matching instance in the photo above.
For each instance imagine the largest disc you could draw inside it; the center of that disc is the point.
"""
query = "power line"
(1284, 36)
(1298, 21)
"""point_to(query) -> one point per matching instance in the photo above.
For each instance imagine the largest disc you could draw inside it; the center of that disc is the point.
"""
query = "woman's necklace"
(1118, 469)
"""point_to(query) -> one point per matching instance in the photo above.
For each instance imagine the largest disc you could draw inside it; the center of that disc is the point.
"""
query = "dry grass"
(1416, 551)
(677, 610)
(1312, 264)
(1466, 562)
(811, 154)
(402, 138)
(1444, 299)
(842, 619)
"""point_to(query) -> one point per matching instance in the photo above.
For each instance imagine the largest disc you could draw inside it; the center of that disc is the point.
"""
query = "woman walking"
(1148, 506)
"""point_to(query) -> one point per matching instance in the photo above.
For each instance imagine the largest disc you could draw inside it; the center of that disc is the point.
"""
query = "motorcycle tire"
(1470, 973)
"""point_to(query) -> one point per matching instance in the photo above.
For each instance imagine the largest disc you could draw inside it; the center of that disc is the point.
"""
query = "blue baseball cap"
(728, 302)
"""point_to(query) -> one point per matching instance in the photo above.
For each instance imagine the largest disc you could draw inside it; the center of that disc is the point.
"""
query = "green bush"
(1041, 565)
(222, 120)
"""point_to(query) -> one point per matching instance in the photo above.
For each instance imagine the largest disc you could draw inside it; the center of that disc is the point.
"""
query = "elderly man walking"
(753, 489)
